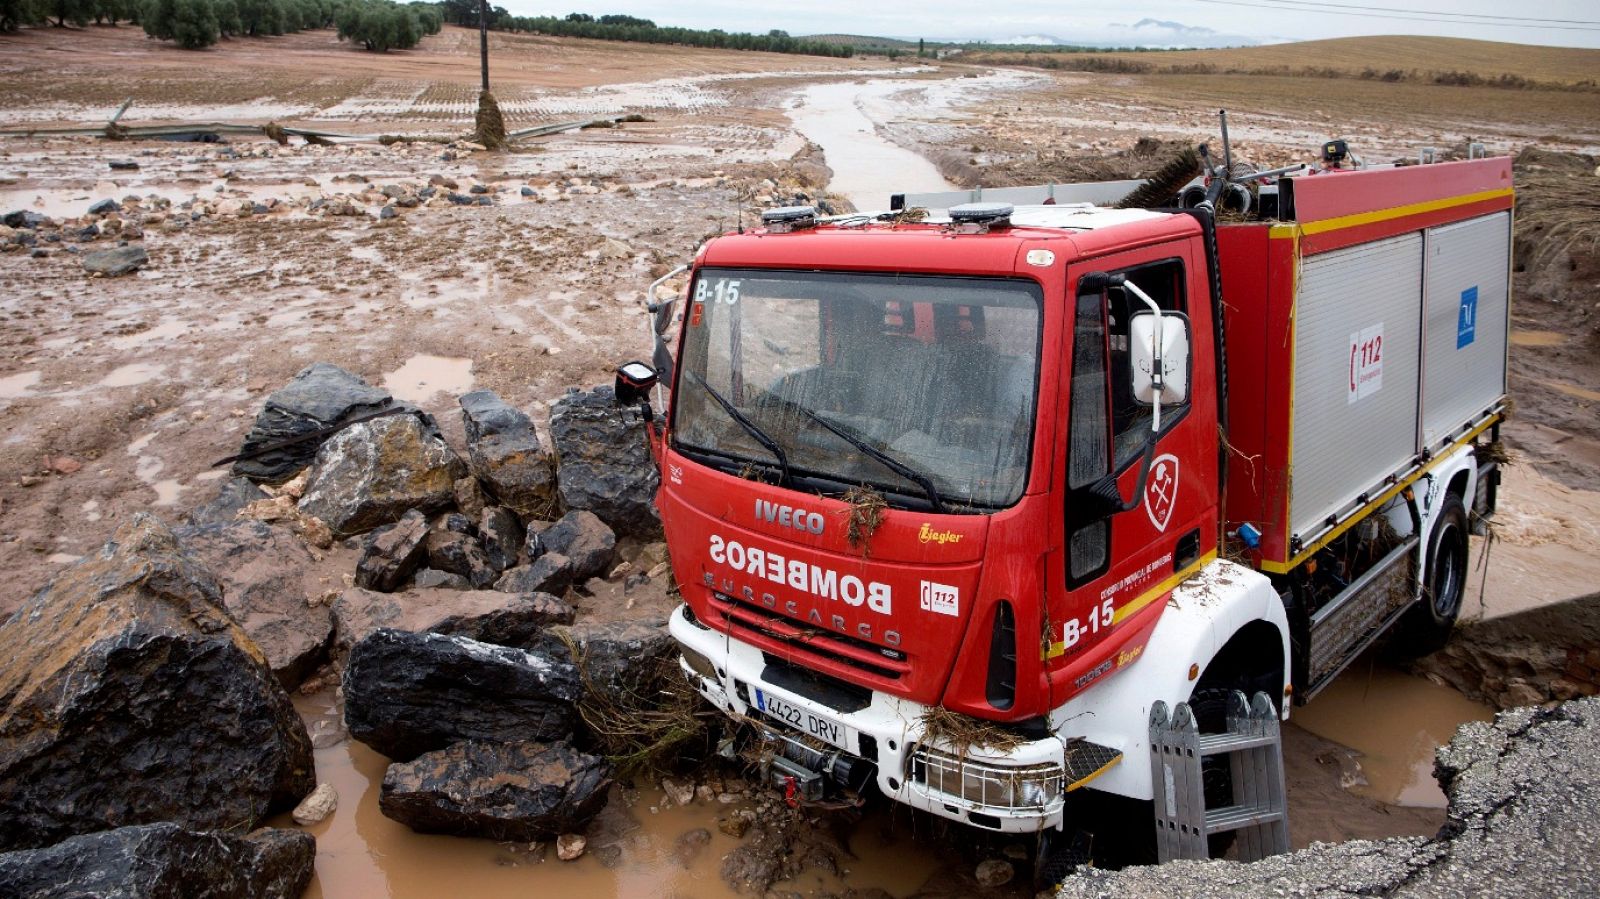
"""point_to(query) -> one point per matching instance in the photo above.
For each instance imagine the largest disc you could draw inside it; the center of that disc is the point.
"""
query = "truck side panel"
(1464, 342)
(1356, 366)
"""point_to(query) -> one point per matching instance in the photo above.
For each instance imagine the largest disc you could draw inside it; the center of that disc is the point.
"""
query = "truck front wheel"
(1427, 625)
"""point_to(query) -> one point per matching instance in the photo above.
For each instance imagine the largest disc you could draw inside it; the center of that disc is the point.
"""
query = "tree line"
(637, 30)
(377, 25)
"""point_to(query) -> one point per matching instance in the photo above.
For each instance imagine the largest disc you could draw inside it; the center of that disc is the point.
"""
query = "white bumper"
(983, 789)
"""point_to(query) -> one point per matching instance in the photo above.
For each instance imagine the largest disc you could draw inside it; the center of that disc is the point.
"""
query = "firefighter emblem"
(1161, 494)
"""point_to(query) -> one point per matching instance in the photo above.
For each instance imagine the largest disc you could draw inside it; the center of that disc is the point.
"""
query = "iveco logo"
(789, 517)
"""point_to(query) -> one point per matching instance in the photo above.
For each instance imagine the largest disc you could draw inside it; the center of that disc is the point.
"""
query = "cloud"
(1149, 32)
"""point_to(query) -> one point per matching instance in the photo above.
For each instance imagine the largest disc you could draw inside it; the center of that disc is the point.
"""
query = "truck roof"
(865, 244)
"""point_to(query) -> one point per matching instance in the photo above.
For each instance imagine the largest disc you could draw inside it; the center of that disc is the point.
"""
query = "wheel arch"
(1203, 618)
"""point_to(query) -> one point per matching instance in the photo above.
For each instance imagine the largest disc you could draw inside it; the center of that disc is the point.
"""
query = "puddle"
(423, 377)
(133, 375)
(1395, 721)
(362, 853)
(1537, 338)
(167, 329)
(18, 385)
(866, 167)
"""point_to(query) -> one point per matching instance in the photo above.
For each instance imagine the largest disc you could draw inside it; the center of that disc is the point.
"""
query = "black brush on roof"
(1159, 189)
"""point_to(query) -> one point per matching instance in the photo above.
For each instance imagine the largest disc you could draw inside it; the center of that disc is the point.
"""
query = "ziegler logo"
(929, 535)
(790, 517)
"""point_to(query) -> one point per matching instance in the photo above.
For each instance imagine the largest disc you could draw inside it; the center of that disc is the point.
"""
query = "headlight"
(1028, 787)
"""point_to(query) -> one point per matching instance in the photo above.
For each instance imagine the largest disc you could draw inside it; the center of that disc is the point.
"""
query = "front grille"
(805, 640)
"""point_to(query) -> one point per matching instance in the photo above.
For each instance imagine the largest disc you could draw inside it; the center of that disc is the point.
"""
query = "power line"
(1402, 18)
(1459, 15)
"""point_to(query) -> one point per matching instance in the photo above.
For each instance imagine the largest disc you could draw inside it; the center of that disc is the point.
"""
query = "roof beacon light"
(976, 218)
(789, 218)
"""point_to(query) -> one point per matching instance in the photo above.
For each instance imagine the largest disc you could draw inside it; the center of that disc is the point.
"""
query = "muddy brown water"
(635, 848)
(1392, 723)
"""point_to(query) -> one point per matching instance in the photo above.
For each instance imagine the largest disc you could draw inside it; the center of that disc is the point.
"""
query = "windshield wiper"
(855, 440)
(750, 426)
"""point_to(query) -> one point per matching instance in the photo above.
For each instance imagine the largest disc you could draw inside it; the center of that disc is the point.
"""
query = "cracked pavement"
(1522, 791)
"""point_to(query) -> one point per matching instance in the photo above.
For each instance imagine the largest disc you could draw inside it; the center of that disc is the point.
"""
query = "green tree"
(227, 13)
(195, 24)
(14, 13)
(379, 25)
(191, 24)
(77, 12)
(259, 17)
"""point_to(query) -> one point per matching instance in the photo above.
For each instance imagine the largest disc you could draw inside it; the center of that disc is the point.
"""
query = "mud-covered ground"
(117, 394)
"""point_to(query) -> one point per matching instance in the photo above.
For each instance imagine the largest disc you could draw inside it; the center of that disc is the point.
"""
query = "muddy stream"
(643, 845)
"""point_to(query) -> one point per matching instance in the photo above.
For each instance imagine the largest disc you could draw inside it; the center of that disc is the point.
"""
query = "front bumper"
(1020, 790)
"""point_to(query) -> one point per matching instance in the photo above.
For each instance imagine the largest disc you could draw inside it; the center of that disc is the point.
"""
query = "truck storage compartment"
(1356, 352)
(1464, 345)
(1364, 340)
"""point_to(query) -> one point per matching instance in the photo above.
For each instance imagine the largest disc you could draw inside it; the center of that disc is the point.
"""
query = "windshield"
(922, 387)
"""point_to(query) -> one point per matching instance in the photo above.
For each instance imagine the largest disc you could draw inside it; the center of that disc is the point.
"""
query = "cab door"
(1111, 569)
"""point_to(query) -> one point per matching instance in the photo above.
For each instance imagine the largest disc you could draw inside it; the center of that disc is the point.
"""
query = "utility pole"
(483, 40)
(490, 127)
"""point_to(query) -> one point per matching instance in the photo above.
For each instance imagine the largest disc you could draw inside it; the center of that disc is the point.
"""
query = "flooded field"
(117, 394)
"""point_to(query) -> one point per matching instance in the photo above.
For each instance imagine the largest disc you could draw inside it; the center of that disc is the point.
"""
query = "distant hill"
(866, 42)
(1386, 58)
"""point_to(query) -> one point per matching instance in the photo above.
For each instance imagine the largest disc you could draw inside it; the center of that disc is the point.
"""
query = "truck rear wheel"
(1426, 626)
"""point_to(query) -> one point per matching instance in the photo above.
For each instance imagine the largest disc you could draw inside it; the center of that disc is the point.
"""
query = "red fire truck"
(1033, 469)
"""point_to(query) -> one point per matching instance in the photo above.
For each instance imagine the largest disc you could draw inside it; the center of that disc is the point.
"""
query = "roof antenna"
(1227, 148)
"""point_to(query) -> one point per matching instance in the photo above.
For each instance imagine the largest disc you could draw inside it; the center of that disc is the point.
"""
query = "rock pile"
(132, 697)
(155, 861)
(179, 645)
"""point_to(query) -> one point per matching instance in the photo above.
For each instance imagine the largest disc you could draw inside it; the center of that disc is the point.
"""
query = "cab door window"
(1107, 427)
(1130, 419)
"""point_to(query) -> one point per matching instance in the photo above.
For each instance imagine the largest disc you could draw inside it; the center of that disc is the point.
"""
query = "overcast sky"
(1159, 22)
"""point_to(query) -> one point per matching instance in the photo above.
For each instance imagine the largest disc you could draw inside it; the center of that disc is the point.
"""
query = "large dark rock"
(506, 454)
(502, 534)
(623, 657)
(432, 577)
(462, 554)
(163, 861)
(507, 619)
(583, 538)
(116, 261)
(550, 573)
(320, 396)
(604, 461)
(130, 697)
(393, 553)
(406, 694)
(373, 472)
(521, 791)
(268, 587)
(232, 496)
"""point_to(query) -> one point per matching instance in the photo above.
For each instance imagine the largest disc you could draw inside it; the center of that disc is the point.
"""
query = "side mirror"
(663, 314)
(634, 381)
(1172, 356)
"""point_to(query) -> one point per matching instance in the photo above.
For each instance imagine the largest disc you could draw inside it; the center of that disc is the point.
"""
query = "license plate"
(830, 732)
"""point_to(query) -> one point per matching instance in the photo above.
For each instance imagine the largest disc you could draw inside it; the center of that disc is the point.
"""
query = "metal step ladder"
(1254, 748)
